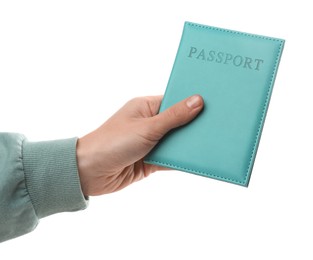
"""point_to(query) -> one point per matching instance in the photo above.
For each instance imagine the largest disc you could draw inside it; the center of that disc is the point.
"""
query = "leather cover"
(234, 72)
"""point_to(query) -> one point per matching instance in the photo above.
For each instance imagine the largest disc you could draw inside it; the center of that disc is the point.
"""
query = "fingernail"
(194, 102)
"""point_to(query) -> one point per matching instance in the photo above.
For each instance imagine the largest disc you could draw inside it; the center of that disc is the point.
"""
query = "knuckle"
(134, 100)
(173, 113)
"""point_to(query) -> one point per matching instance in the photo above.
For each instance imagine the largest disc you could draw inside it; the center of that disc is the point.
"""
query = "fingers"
(151, 168)
(178, 115)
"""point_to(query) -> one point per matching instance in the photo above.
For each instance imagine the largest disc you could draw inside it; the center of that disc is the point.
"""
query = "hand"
(111, 157)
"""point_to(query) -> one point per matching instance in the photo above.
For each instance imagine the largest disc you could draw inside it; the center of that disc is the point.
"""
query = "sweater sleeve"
(37, 179)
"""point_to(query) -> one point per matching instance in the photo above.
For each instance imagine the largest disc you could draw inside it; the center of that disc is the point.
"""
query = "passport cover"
(234, 72)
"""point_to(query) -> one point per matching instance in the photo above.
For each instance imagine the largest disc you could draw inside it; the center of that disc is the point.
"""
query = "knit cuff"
(52, 176)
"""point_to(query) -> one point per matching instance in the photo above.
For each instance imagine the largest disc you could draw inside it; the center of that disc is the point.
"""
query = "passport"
(234, 72)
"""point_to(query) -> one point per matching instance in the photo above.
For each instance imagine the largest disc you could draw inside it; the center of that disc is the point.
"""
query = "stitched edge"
(270, 87)
(261, 124)
(233, 32)
(195, 171)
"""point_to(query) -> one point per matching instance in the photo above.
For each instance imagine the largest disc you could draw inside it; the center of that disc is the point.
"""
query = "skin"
(111, 157)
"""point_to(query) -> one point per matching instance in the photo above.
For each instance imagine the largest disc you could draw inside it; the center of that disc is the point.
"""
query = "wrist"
(83, 164)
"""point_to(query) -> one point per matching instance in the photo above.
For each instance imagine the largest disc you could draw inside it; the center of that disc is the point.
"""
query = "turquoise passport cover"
(234, 72)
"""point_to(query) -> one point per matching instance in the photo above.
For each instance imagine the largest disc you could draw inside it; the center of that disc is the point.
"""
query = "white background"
(66, 66)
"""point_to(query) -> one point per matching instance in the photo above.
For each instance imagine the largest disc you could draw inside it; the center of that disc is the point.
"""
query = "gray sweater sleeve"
(37, 179)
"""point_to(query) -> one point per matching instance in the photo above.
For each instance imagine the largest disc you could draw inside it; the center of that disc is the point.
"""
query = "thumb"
(178, 115)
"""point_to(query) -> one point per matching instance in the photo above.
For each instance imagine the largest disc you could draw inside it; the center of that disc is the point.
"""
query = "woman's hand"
(111, 157)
